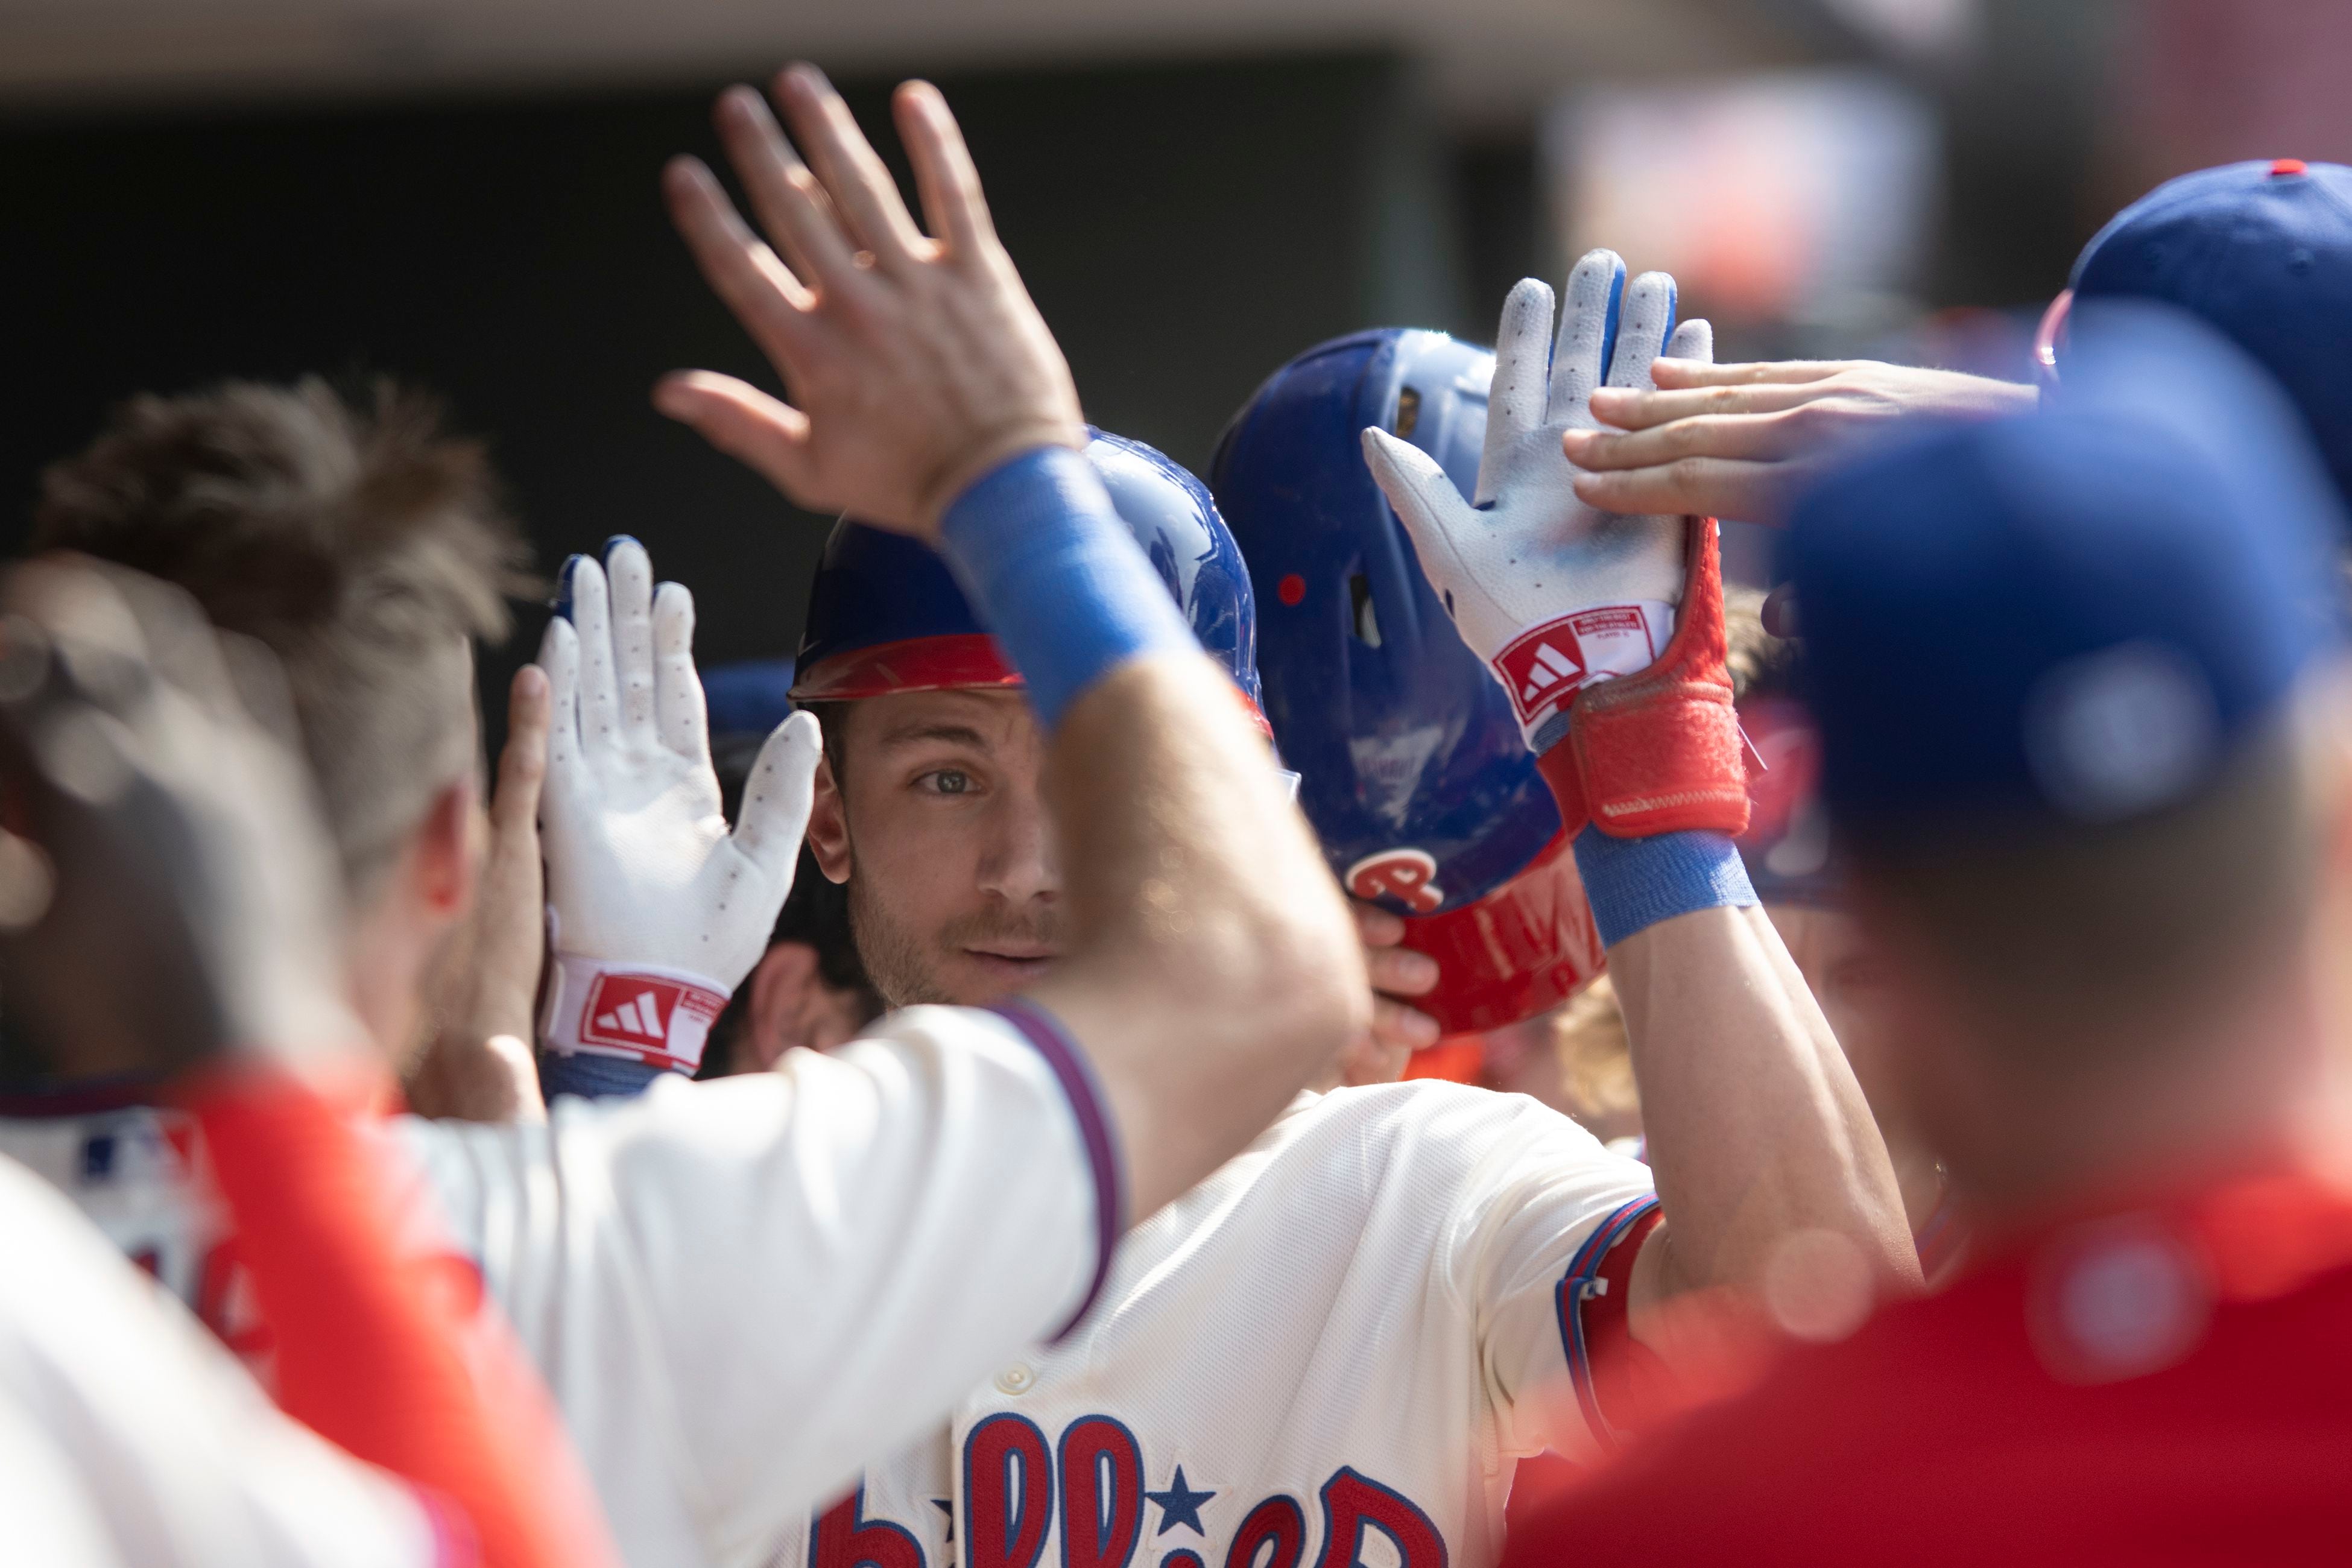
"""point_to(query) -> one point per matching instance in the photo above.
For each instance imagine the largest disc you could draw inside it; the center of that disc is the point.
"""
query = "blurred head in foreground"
(2081, 759)
(367, 549)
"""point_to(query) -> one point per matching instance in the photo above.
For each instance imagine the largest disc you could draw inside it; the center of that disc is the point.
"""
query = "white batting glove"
(1553, 594)
(656, 910)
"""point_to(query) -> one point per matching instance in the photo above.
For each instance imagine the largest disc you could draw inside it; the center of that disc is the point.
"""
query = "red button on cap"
(1291, 589)
(2288, 166)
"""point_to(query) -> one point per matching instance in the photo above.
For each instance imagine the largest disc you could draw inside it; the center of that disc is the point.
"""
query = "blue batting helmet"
(886, 615)
(1413, 769)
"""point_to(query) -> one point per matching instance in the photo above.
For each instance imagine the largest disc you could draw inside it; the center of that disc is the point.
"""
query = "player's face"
(940, 833)
(1846, 976)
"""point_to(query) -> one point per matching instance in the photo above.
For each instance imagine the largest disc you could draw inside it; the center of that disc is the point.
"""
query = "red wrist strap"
(1558, 768)
(1660, 751)
(372, 1337)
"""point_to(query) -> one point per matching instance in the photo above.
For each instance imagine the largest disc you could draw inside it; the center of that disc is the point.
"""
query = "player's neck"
(2232, 1096)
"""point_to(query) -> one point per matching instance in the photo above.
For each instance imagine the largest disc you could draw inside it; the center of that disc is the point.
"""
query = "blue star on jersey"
(1021, 1488)
(1180, 1505)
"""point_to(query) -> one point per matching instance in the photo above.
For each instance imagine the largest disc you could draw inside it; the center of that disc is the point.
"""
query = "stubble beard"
(893, 958)
(904, 968)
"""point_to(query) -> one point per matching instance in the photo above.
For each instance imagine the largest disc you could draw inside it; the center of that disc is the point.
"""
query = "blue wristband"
(1057, 577)
(593, 1076)
(1634, 883)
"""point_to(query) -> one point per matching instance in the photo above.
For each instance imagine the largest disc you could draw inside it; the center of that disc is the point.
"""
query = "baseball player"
(923, 1205)
(153, 822)
(2260, 250)
(2084, 732)
(1336, 1344)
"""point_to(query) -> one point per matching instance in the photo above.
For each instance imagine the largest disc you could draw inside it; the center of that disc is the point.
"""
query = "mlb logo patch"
(1545, 666)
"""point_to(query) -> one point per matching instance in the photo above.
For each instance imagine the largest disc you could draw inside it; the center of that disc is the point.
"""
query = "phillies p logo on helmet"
(1406, 873)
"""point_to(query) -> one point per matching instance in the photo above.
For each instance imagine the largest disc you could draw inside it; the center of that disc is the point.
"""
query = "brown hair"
(361, 543)
(1758, 662)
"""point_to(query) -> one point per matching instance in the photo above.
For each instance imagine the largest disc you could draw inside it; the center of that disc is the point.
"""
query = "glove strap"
(641, 1012)
(1660, 751)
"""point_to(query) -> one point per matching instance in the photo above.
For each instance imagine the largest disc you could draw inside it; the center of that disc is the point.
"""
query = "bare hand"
(1398, 1029)
(480, 1067)
(1743, 441)
(915, 364)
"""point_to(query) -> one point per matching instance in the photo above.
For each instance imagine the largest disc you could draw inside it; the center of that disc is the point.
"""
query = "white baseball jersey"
(132, 1169)
(742, 1291)
(129, 1436)
(739, 1291)
(1332, 1351)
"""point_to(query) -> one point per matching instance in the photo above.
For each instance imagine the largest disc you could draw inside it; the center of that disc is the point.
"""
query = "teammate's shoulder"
(1430, 1115)
(1414, 1098)
(54, 1248)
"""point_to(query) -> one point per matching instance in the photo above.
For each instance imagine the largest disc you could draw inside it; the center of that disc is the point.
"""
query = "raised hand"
(659, 911)
(1553, 592)
(1742, 440)
(478, 1066)
(160, 831)
(914, 363)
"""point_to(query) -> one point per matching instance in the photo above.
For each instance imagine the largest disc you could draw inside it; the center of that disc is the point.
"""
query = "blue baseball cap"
(2075, 615)
(2261, 250)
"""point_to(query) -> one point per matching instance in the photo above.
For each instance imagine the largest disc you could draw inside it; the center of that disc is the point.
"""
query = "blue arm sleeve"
(1057, 577)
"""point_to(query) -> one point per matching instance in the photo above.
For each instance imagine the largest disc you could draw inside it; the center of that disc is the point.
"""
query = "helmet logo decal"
(1406, 873)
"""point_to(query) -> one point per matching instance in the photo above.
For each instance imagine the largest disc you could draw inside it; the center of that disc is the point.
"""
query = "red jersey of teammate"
(2164, 1384)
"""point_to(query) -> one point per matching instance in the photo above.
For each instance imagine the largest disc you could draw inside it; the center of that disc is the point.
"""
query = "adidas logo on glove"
(662, 1019)
(1545, 666)
(640, 1020)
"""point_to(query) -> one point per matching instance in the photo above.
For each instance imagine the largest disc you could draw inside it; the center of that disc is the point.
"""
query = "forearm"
(1215, 968)
(1218, 969)
(1755, 1126)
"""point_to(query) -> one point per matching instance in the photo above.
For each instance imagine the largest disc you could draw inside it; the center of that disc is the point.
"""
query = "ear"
(780, 987)
(828, 826)
(449, 846)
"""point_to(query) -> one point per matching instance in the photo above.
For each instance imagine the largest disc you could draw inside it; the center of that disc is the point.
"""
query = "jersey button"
(1018, 1378)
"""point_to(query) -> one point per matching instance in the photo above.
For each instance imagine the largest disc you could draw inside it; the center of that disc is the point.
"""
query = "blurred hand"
(1398, 1029)
(480, 1065)
(167, 888)
(915, 364)
(1744, 441)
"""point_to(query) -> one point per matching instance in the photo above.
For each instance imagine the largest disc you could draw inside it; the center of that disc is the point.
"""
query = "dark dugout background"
(1183, 228)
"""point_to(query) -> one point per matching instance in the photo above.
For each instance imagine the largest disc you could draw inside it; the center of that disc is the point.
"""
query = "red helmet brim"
(1519, 951)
